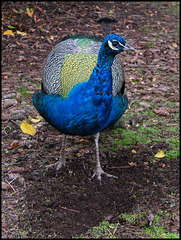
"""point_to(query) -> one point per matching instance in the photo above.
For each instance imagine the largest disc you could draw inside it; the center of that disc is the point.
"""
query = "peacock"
(82, 89)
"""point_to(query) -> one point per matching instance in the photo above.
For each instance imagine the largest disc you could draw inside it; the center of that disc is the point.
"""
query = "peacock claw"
(98, 172)
(58, 165)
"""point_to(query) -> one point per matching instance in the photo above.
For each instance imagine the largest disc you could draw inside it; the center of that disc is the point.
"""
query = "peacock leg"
(61, 161)
(98, 170)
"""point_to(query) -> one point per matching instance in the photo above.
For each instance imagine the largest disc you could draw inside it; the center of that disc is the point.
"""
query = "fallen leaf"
(132, 164)
(14, 144)
(174, 45)
(11, 27)
(35, 120)
(29, 12)
(162, 165)
(8, 32)
(27, 128)
(52, 38)
(160, 154)
(163, 111)
(133, 151)
(36, 20)
(139, 109)
(14, 10)
(133, 183)
(24, 34)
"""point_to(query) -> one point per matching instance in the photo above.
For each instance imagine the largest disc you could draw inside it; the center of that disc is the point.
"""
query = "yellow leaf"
(174, 45)
(8, 32)
(111, 12)
(52, 38)
(24, 34)
(35, 120)
(27, 128)
(29, 12)
(133, 151)
(153, 79)
(160, 154)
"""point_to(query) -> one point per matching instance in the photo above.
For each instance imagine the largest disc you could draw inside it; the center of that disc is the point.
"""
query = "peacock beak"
(128, 47)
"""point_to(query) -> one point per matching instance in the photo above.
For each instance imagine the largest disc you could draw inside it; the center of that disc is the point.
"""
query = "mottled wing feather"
(117, 75)
(51, 77)
(72, 61)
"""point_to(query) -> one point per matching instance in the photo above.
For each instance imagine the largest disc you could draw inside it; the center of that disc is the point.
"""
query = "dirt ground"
(40, 203)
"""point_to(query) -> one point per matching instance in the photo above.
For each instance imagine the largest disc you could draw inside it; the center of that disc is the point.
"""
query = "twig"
(11, 186)
(115, 230)
(119, 167)
(72, 210)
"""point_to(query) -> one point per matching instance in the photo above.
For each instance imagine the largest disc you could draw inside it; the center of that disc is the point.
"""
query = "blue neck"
(105, 58)
(102, 71)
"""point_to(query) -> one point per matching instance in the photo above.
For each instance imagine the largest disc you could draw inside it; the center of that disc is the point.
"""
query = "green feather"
(76, 68)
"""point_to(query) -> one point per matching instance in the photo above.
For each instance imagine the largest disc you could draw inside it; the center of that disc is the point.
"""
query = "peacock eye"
(115, 43)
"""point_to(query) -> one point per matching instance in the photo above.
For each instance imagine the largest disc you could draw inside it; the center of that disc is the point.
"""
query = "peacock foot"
(99, 171)
(58, 165)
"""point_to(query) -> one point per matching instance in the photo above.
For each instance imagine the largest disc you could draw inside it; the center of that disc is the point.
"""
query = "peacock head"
(116, 44)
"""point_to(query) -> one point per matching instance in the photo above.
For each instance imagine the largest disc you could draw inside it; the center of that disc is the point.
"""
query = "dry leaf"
(162, 165)
(163, 111)
(27, 128)
(52, 38)
(29, 12)
(14, 144)
(24, 34)
(8, 32)
(35, 120)
(174, 45)
(132, 164)
(160, 154)
(133, 151)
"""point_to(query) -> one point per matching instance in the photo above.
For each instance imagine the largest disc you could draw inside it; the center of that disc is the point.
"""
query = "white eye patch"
(114, 48)
(111, 46)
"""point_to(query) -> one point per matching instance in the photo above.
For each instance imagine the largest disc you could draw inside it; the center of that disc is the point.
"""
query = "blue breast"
(90, 106)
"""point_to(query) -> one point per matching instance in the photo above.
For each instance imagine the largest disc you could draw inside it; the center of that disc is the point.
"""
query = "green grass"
(24, 91)
(146, 135)
(156, 230)
(130, 217)
(104, 230)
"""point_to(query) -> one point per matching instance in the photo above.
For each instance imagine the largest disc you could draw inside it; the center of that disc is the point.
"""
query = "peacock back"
(72, 61)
